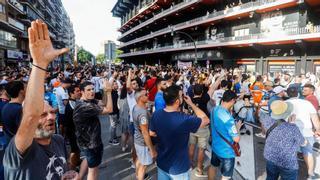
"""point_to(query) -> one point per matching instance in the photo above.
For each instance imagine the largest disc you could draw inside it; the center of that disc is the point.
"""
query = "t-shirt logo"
(55, 166)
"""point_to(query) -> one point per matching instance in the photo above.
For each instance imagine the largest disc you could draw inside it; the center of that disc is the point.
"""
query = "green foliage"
(84, 55)
(118, 52)
(100, 59)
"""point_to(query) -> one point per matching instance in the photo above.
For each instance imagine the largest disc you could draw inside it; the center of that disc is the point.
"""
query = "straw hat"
(281, 109)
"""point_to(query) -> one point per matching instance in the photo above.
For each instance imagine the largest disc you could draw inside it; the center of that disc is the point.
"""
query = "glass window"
(2, 8)
(8, 39)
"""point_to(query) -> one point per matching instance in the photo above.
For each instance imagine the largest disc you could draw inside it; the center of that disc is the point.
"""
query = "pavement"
(116, 164)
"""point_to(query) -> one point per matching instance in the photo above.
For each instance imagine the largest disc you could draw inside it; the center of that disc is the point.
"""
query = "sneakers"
(200, 174)
(260, 135)
(314, 176)
(124, 148)
(114, 142)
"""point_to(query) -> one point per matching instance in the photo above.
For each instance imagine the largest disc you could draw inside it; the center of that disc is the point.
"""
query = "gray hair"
(138, 94)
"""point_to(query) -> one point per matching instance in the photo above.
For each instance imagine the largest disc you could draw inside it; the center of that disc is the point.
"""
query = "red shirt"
(151, 87)
(314, 101)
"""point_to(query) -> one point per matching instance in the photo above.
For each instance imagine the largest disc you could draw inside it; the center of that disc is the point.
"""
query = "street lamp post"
(194, 43)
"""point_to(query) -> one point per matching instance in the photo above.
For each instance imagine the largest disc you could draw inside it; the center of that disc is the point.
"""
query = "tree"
(118, 52)
(100, 59)
(84, 55)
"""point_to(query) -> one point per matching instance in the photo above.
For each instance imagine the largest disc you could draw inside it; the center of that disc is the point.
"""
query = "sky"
(93, 22)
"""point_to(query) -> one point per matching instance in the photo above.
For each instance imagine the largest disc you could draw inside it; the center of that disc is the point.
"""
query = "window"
(241, 32)
(8, 39)
(2, 8)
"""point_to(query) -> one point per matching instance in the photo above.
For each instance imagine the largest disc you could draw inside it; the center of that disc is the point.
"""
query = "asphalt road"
(116, 164)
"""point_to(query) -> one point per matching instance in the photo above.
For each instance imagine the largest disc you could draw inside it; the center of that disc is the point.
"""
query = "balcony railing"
(16, 23)
(285, 34)
(7, 43)
(172, 9)
(15, 4)
(251, 6)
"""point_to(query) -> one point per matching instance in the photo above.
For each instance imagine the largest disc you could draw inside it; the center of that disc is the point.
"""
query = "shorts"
(200, 138)
(143, 155)
(162, 175)
(227, 165)
(93, 156)
(308, 149)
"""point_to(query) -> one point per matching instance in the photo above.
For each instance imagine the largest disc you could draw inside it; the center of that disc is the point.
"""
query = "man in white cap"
(279, 94)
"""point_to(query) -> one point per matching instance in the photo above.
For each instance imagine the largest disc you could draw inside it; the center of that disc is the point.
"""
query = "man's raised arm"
(42, 53)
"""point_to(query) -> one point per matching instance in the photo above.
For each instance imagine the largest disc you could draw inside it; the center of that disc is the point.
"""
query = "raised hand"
(40, 45)
(107, 85)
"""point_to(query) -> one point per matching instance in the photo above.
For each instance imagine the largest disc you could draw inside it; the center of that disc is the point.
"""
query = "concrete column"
(303, 64)
(259, 65)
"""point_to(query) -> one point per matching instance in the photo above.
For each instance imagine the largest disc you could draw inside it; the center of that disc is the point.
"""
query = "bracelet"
(46, 70)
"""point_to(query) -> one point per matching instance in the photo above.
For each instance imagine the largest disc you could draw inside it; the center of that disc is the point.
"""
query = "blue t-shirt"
(11, 116)
(2, 103)
(222, 120)
(159, 102)
(237, 88)
(173, 130)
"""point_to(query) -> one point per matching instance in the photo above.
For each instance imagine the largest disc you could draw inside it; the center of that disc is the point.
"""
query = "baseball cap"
(278, 89)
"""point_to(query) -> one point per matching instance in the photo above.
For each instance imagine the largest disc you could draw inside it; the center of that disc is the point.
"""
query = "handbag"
(235, 146)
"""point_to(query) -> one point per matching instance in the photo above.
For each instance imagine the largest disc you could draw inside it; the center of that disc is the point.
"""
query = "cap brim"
(285, 115)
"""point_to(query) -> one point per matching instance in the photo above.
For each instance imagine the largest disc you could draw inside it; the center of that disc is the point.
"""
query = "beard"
(43, 134)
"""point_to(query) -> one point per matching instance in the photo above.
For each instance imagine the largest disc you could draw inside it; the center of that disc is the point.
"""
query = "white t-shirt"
(131, 102)
(303, 110)
(217, 96)
(96, 82)
(61, 95)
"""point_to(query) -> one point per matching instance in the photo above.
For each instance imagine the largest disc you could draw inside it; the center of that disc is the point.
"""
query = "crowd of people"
(164, 114)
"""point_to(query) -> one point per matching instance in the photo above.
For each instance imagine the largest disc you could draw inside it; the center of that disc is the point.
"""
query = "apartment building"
(16, 17)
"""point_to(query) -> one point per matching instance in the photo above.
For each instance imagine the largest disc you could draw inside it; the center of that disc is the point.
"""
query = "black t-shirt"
(38, 162)
(202, 102)
(87, 124)
(115, 97)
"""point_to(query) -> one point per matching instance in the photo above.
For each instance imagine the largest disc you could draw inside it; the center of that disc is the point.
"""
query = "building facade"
(258, 35)
(16, 17)
(110, 48)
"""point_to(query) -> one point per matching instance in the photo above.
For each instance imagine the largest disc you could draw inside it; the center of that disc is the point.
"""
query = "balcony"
(224, 14)
(12, 44)
(16, 23)
(17, 6)
(162, 14)
(286, 36)
(136, 15)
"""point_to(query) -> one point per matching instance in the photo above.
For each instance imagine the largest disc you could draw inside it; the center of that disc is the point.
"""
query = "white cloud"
(92, 22)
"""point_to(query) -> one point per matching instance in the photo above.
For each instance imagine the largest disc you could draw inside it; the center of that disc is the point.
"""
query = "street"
(116, 165)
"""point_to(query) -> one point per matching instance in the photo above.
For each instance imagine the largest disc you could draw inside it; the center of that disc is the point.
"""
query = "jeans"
(166, 176)
(226, 164)
(274, 171)
(114, 122)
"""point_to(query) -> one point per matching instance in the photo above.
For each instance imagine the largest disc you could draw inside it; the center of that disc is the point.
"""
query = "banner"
(182, 64)
(14, 54)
